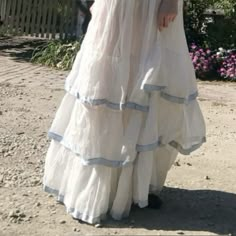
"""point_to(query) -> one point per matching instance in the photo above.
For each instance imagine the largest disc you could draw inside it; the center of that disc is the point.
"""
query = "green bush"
(221, 33)
(194, 19)
(215, 31)
(57, 53)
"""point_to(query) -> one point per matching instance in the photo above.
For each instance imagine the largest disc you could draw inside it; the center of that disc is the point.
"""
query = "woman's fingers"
(167, 12)
(164, 20)
(160, 22)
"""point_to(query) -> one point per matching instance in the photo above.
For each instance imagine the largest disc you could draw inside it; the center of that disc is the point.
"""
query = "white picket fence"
(40, 18)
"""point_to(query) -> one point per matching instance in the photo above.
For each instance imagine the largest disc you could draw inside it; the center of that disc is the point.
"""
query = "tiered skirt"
(130, 107)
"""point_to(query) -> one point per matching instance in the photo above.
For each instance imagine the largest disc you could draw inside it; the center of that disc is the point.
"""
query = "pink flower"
(195, 59)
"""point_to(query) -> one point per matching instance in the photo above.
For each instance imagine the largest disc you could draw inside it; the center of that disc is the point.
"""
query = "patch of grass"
(57, 53)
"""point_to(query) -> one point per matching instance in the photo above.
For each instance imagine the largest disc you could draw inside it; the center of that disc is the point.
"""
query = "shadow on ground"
(19, 48)
(187, 210)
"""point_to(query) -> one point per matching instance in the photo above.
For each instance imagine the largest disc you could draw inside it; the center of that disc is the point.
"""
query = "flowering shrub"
(209, 29)
(213, 64)
(227, 63)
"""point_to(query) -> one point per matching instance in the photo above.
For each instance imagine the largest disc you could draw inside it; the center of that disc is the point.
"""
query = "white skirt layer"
(90, 192)
(100, 135)
(124, 57)
(130, 103)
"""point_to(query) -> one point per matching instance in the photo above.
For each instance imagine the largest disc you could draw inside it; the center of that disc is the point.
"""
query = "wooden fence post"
(42, 18)
(3, 4)
(79, 24)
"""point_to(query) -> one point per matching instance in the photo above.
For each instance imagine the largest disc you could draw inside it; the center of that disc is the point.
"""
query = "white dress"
(130, 107)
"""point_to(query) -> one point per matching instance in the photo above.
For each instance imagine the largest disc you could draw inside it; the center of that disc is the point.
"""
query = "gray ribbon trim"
(189, 150)
(148, 147)
(133, 105)
(112, 105)
(55, 136)
(179, 100)
(152, 87)
(82, 216)
(174, 144)
(139, 148)
(171, 98)
(88, 160)
(76, 214)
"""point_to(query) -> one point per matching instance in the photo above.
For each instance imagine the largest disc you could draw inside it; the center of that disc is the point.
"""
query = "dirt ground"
(200, 193)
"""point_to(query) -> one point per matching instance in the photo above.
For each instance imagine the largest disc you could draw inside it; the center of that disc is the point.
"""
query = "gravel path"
(200, 193)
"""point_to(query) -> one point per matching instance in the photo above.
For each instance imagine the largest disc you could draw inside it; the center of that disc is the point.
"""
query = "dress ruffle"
(113, 138)
(90, 192)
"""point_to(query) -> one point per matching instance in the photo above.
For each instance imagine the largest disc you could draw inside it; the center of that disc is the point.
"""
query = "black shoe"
(154, 201)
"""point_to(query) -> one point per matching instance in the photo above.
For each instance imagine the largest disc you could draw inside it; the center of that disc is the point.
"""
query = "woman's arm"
(167, 12)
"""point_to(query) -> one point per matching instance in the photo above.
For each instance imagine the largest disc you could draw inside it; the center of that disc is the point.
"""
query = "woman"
(130, 107)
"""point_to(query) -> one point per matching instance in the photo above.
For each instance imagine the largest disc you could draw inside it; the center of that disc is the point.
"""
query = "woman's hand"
(167, 13)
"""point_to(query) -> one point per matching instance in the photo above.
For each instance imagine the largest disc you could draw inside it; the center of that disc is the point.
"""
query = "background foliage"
(56, 53)
(210, 31)
(211, 39)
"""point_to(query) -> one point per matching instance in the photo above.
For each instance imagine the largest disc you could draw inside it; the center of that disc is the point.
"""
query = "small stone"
(1, 178)
(20, 133)
(177, 163)
(13, 214)
(22, 215)
(1, 113)
(27, 219)
(189, 164)
(53, 212)
(38, 204)
(207, 177)
(35, 182)
(98, 226)
(62, 221)
(180, 232)
(76, 229)
(12, 220)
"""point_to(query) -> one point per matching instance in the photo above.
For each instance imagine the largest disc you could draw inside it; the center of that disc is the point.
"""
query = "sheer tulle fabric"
(91, 192)
(130, 106)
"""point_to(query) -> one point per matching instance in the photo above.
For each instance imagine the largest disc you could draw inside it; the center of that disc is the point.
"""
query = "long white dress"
(130, 107)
